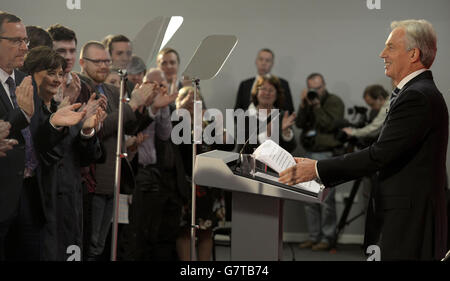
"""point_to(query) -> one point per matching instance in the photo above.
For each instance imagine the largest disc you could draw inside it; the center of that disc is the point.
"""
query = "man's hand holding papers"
(293, 171)
(304, 170)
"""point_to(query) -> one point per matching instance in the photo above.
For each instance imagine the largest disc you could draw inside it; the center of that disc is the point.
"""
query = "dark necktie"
(30, 157)
(395, 93)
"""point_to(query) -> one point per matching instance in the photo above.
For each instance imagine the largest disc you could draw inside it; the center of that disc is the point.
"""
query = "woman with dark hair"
(58, 169)
(267, 97)
(46, 68)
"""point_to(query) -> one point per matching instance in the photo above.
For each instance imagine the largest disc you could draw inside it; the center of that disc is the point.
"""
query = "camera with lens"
(357, 110)
(359, 119)
(312, 94)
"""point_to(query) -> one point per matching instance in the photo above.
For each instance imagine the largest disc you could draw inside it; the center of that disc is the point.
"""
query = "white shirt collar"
(254, 111)
(69, 78)
(4, 76)
(410, 77)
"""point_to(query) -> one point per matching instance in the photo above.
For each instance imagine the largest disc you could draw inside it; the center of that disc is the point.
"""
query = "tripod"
(343, 222)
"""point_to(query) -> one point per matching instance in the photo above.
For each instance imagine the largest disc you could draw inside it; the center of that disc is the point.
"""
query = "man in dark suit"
(407, 209)
(264, 62)
(12, 54)
(21, 212)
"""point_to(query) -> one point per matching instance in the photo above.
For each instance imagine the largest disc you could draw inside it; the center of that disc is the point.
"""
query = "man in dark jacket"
(264, 62)
(317, 116)
(408, 208)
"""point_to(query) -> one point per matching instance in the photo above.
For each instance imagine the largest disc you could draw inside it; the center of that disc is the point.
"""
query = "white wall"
(341, 39)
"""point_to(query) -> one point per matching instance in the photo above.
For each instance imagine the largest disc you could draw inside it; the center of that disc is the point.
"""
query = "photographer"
(377, 99)
(318, 115)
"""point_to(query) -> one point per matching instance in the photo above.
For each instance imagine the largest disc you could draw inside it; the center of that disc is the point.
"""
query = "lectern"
(257, 206)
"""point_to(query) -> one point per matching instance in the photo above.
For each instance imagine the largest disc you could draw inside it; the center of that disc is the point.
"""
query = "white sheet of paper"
(277, 158)
(274, 156)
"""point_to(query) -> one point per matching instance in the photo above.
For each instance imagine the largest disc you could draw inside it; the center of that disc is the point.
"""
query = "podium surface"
(257, 206)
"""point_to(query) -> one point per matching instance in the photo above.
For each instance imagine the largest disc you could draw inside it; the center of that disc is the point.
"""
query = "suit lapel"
(18, 76)
(424, 75)
(248, 98)
(4, 98)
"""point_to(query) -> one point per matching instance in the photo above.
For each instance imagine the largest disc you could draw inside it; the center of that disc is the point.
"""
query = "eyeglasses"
(17, 40)
(267, 90)
(156, 84)
(99, 62)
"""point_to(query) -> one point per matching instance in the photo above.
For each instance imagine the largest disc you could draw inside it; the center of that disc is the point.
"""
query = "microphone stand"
(194, 226)
(119, 155)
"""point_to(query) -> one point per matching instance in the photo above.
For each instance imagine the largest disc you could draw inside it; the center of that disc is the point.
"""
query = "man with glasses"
(21, 211)
(13, 47)
(95, 62)
(317, 116)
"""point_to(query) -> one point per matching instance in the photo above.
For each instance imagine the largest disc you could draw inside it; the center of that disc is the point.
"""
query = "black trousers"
(155, 216)
(21, 235)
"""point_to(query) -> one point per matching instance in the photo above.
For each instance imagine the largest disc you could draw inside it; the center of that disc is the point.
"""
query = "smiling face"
(48, 81)
(168, 63)
(397, 59)
(267, 94)
(12, 55)
(96, 64)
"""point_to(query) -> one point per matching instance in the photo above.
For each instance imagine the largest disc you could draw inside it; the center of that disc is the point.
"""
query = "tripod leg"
(348, 206)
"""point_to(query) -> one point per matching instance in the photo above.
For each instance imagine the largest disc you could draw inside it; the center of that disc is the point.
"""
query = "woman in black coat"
(59, 166)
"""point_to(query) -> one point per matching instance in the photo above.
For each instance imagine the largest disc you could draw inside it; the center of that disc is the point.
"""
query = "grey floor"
(291, 251)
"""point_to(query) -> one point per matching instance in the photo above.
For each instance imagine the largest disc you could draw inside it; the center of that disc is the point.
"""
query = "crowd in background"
(58, 136)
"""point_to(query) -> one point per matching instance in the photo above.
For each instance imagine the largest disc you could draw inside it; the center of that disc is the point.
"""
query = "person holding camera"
(377, 98)
(317, 116)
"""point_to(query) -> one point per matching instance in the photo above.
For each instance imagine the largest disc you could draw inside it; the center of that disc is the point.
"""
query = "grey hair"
(152, 70)
(419, 34)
